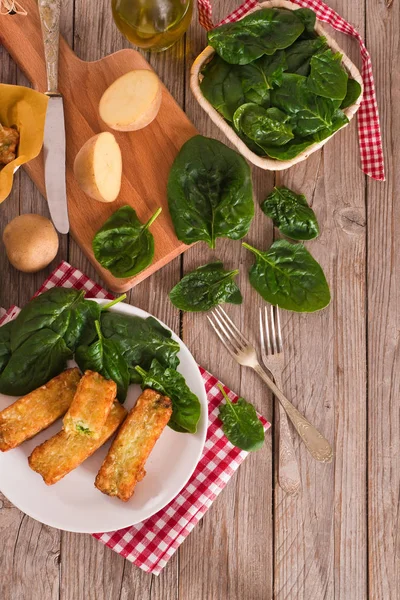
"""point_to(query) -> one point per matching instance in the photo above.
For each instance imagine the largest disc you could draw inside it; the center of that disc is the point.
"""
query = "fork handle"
(315, 442)
(288, 468)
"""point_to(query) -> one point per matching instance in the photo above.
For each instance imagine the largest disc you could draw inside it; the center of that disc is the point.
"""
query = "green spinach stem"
(113, 302)
(153, 218)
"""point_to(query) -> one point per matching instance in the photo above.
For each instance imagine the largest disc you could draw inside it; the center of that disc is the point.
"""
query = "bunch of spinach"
(210, 192)
(288, 276)
(240, 423)
(124, 245)
(206, 287)
(291, 214)
(186, 406)
(139, 341)
(272, 59)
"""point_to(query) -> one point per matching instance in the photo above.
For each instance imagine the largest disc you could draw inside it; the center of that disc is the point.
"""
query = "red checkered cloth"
(150, 544)
(369, 131)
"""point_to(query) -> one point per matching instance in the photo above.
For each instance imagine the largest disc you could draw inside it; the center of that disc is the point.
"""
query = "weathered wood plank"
(229, 555)
(320, 549)
(383, 25)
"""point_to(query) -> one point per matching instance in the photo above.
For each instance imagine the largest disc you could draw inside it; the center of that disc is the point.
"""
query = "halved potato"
(98, 167)
(132, 101)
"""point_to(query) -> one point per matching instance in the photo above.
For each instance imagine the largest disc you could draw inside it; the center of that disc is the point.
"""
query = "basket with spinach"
(276, 82)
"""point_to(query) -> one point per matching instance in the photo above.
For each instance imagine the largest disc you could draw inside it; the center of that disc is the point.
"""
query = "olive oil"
(152, 24)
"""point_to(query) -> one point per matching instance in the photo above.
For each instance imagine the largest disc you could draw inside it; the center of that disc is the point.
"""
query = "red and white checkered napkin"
(150, 544)
(369, 132)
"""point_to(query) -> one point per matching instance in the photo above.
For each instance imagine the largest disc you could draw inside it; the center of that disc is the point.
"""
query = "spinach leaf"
(124, 245)
(352, 94)
(139, 341)
(327, 78)
(81, 325)
(222, 87)
(5, 345)
(289, 150)
(186, 407)
(261, 75)
(287, 275)
(291, 214)
(240, 423)
(37, 360)
(261, 32)
(205, 287)
(51, 310)
(210, 192)
(298, 56)
(339, 120)
(264, 126)
(308, 17)
(249, 143)
(103, 357)
(309, 113)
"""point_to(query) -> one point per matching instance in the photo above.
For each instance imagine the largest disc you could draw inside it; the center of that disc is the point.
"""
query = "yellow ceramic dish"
(24, 109)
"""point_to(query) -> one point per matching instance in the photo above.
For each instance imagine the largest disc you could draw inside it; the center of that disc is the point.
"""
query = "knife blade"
(54, 129)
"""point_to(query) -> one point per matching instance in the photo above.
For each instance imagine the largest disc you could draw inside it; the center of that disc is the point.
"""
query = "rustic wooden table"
(341, 538)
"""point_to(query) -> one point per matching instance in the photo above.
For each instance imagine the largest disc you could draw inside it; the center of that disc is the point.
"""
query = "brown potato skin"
(124, 464)
(31, 242)
(91, 405)
(36, 411)
(62, 453)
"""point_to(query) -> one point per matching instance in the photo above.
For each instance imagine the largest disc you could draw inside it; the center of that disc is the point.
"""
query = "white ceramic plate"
(74, 504)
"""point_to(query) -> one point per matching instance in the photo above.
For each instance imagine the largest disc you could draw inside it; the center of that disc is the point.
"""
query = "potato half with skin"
(31, 242)
(98, 167)
(132, 101)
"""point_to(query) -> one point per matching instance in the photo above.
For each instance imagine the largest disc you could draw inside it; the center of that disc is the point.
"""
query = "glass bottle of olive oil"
(152, 24)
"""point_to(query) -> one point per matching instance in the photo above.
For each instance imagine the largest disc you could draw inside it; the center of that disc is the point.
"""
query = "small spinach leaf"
(261, 32)
(240, 423)
(103, 357)
(287, 275)
(327, 78)
(186, 407)
(308, 17)
(37, 360)
(339, 120)
(261, 75)
(291, 214)
(124, 245)
(352, 94)
(266, 127)
(210, 192)
(222, 87)
(289, 150)
(206, 287)
(5, 345)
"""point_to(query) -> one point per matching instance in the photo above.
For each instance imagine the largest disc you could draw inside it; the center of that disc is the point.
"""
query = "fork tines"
(226, 330)
(270, 330)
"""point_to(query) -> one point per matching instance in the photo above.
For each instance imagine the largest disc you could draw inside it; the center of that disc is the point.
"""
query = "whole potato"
(31, 242)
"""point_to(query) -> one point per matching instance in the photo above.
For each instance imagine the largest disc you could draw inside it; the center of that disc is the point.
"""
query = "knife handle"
(49, 11)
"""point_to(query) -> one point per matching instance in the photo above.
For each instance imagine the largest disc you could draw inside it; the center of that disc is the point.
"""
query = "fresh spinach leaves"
(210, 192)
(308, 17)
(287, 275)
(261, 32)
(327, 77)
(240, 423)
(38, 359)
(103, 357)
(352, 94)
(222, 87)
(291, 214)
(206, 287)
(139, 341)
(124, 245)
(298, 55)
(266, 127)
(186, 407)
(5, 345)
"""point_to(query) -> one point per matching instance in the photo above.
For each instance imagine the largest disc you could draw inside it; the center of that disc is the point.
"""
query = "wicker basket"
(269, 164)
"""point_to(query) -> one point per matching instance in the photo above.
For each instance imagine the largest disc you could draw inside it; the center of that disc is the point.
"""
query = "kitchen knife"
(54, 129)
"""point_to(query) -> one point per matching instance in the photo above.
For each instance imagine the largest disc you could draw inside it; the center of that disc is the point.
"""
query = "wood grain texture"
(341, 538)
(147, 154)
(383, 23)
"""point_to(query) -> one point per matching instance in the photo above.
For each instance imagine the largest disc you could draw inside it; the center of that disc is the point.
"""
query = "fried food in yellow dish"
(124, 464)
(62, 453)
(9, 138)
(91, 406)
(31, 414)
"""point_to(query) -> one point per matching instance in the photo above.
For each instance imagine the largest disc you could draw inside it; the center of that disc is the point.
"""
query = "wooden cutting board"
(147, 154)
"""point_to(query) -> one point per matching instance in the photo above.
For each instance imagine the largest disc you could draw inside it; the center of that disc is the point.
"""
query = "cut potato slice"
(98, 167)
(132, 101)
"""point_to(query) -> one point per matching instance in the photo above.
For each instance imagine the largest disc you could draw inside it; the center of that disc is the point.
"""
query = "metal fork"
(273, 359)
(244, 353)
